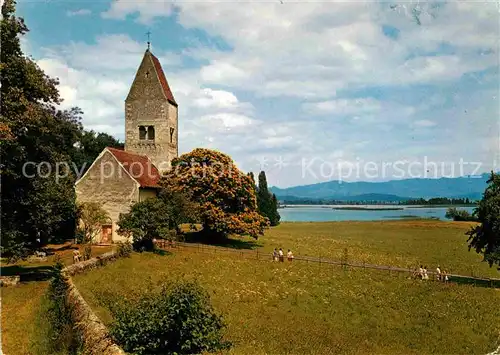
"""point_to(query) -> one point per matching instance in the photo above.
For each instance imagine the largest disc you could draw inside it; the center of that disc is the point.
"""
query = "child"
(289, 255)
(426, 276)
(282, 257)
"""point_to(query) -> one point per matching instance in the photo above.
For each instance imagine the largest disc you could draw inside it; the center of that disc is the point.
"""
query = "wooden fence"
(259, 255)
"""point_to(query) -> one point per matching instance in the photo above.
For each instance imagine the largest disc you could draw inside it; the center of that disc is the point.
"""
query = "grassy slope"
(21, 303)
(300, 308)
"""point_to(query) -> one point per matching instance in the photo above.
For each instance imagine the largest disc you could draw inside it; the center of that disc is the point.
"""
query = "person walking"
(281, 255)
(289, 255)
(438, 273)
(275, 255)
(445, 276)
(425, 275)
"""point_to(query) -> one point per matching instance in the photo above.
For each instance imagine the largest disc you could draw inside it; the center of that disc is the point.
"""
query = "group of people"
(441, 275)
(279, 255)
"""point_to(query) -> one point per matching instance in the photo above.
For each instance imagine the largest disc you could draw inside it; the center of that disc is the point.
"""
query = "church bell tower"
(151, 121)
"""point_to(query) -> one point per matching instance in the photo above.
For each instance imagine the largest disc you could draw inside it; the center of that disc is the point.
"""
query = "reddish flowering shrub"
(225, 195)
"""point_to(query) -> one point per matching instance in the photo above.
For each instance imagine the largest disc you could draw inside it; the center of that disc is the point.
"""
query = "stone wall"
(108, 183)
(95, 335)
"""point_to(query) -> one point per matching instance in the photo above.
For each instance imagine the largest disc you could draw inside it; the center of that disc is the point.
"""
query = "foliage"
(267, 202)
(225, 196)
(485, 238)
(439, 201)
(87, 252)
(459, 215)
(91, 216)
(124, 249)
(181, 321)
(147, 220)
(59, 314)
(180, 207)
(38, 144)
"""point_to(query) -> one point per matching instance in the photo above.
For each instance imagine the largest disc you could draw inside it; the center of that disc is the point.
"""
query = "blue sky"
(307, 91)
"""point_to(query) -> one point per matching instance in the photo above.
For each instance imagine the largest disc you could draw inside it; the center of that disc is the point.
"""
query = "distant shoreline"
(369, 207)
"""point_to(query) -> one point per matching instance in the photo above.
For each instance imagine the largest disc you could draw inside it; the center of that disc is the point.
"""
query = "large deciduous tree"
(38, 204)
(225, 195)
(485, 237)
(38, 144)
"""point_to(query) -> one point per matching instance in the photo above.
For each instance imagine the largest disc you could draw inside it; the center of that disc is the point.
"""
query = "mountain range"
(471, 187)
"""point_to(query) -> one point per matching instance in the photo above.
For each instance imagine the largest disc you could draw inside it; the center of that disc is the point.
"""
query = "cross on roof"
(149, 42)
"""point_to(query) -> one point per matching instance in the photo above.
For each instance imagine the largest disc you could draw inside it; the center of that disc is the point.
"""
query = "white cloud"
(424, 123)
(292, 69)
(80, 12)
(344, 107)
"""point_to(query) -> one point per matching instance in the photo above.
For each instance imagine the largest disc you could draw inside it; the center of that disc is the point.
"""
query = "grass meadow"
(23, 326)
(312, 308)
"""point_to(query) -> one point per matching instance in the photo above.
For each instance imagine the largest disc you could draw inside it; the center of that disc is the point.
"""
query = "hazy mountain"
(461, 187)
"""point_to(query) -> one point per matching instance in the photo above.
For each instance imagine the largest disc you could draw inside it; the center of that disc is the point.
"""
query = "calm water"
(326, 213)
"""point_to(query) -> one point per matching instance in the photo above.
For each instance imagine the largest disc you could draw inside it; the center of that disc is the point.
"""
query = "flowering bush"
(225, 195)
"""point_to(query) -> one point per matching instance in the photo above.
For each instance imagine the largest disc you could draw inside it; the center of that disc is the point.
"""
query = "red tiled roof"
(138, 166)
(163, 80)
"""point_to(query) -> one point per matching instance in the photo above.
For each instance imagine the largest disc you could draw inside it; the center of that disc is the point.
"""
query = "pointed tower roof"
(162, 78)
(148, 56)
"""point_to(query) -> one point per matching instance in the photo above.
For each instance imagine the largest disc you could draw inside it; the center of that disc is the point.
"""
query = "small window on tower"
(172, 135)
(142, 132)
(151, 133)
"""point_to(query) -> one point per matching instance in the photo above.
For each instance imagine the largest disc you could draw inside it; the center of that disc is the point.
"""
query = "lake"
(335, 213)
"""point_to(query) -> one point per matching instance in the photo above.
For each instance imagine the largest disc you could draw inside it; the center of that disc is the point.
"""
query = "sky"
(307, 91)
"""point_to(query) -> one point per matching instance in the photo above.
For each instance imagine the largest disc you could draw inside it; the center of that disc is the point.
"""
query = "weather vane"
(149, 42)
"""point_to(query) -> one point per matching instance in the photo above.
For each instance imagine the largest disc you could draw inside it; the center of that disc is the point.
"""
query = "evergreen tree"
(266, 202)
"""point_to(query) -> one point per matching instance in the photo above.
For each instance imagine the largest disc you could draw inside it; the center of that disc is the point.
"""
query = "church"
(117, 179)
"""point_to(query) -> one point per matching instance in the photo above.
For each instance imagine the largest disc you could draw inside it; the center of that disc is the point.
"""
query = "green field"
(301, 308)
(22, 321)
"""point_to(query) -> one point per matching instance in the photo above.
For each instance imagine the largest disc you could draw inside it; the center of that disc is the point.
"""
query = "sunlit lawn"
(21, 303)
(394, 243)
(300, 308)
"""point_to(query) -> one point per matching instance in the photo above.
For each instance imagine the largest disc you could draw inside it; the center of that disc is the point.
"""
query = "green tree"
(485, 237)
(225, 196)
(38, 143)
(91, 216)
(90, 144)
(38, 204)
(157, 218)
(180, 321)
(267, 202)
(147, 220)
(459, 215)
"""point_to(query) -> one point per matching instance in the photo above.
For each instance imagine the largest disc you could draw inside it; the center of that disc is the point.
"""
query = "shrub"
(62, 336)
(87, 252)
(124, 249)
(459, 215)
(180, 321)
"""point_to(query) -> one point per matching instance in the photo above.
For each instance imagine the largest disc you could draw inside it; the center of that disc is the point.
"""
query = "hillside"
(394, 190)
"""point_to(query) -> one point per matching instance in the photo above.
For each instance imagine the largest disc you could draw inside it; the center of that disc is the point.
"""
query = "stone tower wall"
(146, 105)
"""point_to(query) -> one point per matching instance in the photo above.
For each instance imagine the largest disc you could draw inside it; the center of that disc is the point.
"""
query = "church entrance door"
(106, 234)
